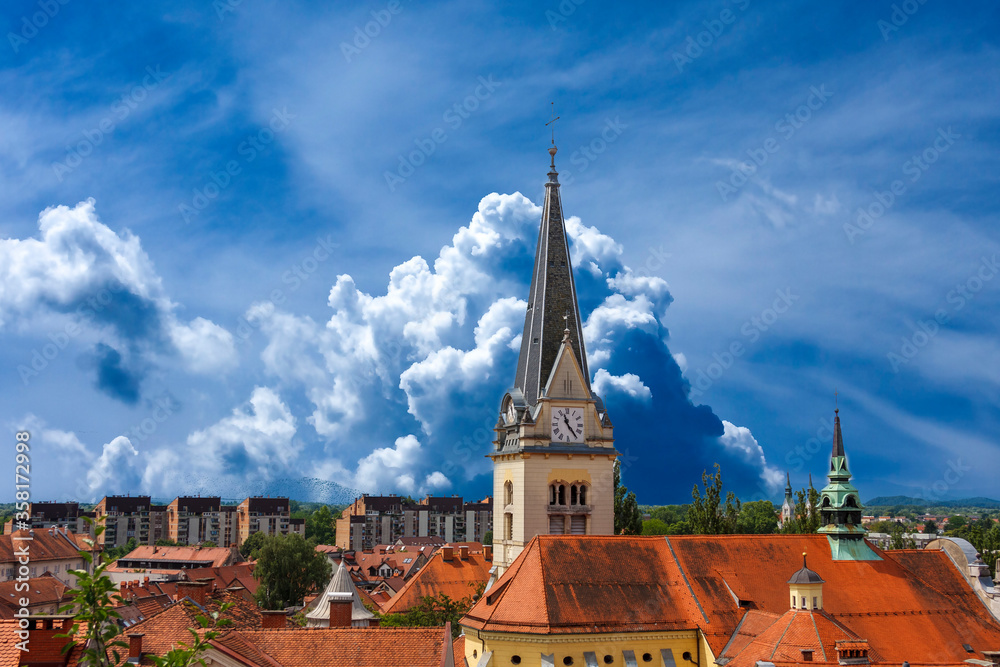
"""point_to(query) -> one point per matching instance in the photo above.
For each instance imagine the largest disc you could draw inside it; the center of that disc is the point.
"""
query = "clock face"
(567, 424)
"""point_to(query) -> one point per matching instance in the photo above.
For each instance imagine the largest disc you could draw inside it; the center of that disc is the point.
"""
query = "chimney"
(192, 589)
(135, 647)
(209, 582)
(273, 619)
(446, 553)
(340, 609)
(463, 552)
(488, 552)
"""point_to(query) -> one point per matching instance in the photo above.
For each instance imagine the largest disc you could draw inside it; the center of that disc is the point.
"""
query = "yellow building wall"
(530, 648)
(530, 476)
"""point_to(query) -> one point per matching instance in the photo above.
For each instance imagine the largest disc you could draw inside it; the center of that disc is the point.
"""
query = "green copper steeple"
(840, 507)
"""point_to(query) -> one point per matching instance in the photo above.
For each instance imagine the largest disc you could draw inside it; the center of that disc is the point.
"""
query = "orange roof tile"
(863, 595)
(908, 605)
(210, 556)
(41, 590)
(456, 578)
(169, 627)
(787, 636)
(45, 545)
(10, 655)
(338, 647)
(566, 584)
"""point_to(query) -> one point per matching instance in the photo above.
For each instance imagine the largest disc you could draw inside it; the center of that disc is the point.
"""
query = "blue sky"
(243, 241)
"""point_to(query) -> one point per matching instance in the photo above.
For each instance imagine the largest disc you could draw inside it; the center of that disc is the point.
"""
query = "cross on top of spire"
(553, 150)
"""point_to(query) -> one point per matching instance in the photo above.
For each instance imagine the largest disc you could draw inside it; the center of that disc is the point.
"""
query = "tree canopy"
(288, 568)
(708, 515)
(628, 518)
(320, 526)
(252, 545)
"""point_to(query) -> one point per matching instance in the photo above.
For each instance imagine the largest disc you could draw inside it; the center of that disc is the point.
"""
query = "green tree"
(930, 527)
(708, 515)
(757, 517)
(898, 538)
(92, 603)
(252, 545)
(955, 524)
(655, 527)
(208, 544)
(288, 568)
(319, 526)
(167, 543)
(628, 518)
(114, 553)
(488, 537)
(436, 611)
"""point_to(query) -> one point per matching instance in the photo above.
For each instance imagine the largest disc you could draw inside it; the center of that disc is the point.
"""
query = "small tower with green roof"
(840, 507)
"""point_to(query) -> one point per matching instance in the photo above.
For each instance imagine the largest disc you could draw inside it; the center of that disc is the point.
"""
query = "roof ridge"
(819, 640)
(783, 633)
(545, 588)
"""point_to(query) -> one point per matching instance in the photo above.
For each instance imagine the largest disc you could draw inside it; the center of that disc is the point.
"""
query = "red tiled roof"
(338, 647)
(397, 560)
(168, 628)
(565, 584)
(734, 588)
(240, 574)
(884, 601)
(46, 544)
(10, 655)
(44, 648)
(456, 578)
(46, 589)
(210, 556)
(785, 637)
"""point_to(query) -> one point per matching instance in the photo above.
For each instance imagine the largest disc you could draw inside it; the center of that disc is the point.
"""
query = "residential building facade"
(374, 520)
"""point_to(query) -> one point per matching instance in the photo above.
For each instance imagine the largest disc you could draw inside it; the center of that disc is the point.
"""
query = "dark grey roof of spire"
(838, 439)
(805, 575)
(552, 303)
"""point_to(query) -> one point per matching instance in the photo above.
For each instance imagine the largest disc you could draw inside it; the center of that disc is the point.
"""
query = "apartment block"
(193, 520)
(270, 516)
(372, 520)
(124, 517)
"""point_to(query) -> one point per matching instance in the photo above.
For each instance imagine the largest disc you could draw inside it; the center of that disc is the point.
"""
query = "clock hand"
(568, 426)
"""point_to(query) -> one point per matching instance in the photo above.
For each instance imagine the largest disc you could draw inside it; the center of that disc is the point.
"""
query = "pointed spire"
(553, 312)
(838, 438)
(788, 483)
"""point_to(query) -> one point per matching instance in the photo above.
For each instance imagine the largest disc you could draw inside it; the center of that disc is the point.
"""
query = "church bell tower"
(553, 457)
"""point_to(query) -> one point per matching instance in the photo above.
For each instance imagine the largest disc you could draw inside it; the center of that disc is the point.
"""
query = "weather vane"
(554, 119)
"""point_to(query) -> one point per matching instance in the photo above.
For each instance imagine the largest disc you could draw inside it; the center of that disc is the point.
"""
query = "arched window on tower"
(562, 494)
(552, 494)
(508, 526)
(583, 494)
(572, 495)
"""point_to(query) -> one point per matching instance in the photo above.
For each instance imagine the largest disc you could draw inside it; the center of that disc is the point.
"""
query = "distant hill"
(890, 501)
(303, 489)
